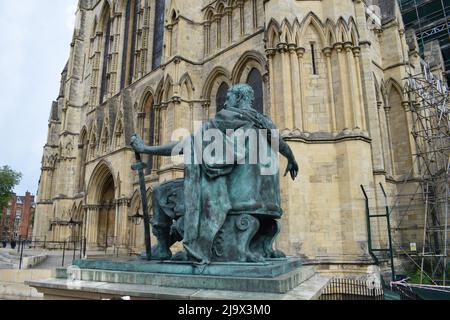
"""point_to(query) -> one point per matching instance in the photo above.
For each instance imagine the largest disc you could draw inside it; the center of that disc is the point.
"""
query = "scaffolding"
(428, 100)
(430, 20)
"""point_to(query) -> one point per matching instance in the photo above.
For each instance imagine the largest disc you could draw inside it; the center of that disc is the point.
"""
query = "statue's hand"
(137, 144)
(292, 168)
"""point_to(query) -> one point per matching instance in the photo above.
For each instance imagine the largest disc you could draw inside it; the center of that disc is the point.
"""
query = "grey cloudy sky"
(35, 36)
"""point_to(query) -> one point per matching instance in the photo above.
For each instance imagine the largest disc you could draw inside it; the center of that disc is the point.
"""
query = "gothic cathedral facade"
(325, 71)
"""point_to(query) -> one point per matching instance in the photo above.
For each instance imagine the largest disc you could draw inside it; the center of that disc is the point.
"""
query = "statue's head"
(240, 96)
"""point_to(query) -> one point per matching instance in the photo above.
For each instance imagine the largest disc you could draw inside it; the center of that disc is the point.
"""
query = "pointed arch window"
(256, 82)
(106, 54)
(148, 126)
(83, 160)
(221, 96)
(158, 35)
(314, 59)
(129, 44)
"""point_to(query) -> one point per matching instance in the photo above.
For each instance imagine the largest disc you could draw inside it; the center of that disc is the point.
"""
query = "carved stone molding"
(270, 52)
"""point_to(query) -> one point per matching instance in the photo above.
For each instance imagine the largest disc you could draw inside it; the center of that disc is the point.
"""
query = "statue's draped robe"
(214, 190)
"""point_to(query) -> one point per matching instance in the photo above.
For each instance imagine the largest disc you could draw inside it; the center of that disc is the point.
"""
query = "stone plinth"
(278, 279)
(269, 269)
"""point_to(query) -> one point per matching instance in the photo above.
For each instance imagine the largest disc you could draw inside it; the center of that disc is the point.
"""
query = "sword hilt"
(139, 165)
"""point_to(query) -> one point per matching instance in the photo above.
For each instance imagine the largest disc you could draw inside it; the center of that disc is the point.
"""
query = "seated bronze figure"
(222, 211)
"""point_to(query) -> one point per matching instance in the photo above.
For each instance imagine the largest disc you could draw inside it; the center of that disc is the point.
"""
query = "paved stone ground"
(54, 259)
(9, 259)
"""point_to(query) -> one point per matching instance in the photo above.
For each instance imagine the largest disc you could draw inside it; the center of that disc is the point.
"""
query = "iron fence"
(351, 289)
(71, 248)
(404, 293)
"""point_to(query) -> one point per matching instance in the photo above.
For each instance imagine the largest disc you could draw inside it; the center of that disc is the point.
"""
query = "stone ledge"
(60, 289)
(281, 284)
(271, 269)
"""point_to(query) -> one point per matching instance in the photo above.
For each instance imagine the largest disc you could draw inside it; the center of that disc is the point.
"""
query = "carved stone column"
(356, 54)
(164, 129)
(343, 81)
(206, 110)
(207, 31)
(282, 48)
(254, 14)
(217, 19)
(412, 143)
(296, 94)
(177, 113)
(229, 17)
(158, 133)
(387, 110)
(240, 5)
(327, 52)
(169, 41)
(191, 117)
(355, 108)
(270, 53)
(302, 111)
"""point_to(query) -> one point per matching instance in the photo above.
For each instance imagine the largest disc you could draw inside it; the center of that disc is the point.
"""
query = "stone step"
(269, 269)
(61, 289)
(280, 284)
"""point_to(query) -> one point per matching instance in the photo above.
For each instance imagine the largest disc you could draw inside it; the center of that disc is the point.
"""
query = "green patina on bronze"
(269, 269)
(221, 212)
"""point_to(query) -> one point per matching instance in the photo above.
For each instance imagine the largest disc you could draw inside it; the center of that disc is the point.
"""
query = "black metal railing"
(71, 248)
(405, 293)
(351, 289)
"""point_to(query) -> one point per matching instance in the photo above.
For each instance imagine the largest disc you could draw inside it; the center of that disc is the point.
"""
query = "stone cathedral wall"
(330, 78)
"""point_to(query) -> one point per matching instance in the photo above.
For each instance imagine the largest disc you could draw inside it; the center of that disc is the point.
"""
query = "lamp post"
(137, 218)
(72, 223)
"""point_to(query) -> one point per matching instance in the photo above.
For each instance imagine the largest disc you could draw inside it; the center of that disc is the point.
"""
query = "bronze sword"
(140, 166)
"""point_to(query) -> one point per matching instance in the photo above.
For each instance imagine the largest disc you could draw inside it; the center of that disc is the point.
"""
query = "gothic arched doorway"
(101, 204)
(107, 215)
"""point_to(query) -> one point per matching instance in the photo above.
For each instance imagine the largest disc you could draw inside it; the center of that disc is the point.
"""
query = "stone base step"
(279, 284)
(62, 289)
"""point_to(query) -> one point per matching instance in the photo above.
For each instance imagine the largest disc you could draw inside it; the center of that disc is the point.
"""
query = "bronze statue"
(223, 211)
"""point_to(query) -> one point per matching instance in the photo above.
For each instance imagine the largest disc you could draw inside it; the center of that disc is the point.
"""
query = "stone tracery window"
(221, 97)
(256, 82)
(158, 35)
(129, 46)
(106, 55)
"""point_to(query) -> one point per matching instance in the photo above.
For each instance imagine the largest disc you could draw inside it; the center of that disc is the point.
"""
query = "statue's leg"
(161, 224)
(273, 230)
(265, 239)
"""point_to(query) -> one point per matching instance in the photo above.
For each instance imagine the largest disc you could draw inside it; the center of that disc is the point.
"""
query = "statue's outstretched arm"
(286, 151)
(292, 166)
(140, 147)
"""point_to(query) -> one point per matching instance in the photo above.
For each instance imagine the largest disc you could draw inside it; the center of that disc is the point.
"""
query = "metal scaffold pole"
(428, 100)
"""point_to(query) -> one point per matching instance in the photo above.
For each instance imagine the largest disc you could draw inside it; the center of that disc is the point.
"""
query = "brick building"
(17, 220)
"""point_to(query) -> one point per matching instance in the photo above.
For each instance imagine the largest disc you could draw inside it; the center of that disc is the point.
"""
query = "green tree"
(8, 180)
